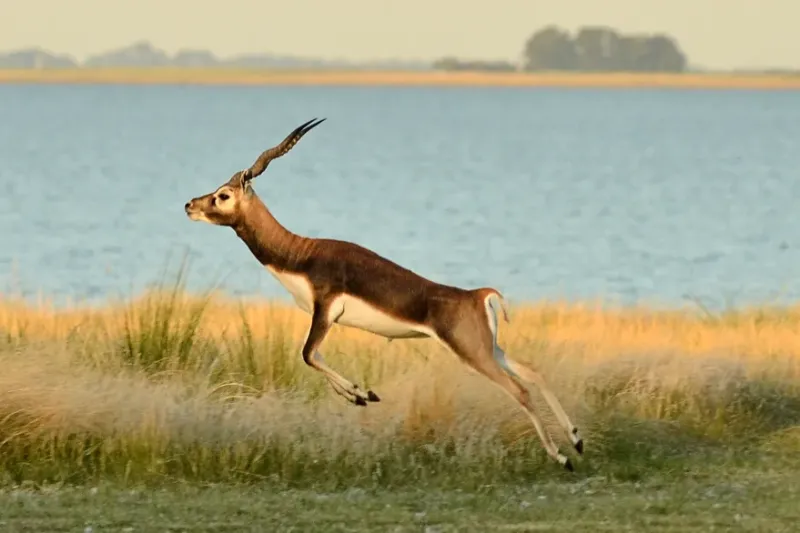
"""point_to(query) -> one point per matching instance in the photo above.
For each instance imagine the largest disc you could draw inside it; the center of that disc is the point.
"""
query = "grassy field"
(204, 406)
(766, 502)
(224, 76)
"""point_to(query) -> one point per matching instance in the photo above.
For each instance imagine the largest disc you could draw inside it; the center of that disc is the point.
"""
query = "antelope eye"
(223, 197)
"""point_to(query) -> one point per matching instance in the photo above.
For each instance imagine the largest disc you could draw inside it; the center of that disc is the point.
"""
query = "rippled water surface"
(620, 195)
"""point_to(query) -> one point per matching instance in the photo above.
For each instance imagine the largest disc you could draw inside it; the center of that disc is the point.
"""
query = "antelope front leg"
(320, 325)
(342, 386)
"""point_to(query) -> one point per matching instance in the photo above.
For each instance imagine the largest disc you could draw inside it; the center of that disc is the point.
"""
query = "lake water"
(626, 196)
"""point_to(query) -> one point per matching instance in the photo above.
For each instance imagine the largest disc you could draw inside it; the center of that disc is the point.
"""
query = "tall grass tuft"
(160, 333)
(171, 386)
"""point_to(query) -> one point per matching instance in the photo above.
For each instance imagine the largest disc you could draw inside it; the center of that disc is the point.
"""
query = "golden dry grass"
(224, 76)
(172, 385)
(601, 331)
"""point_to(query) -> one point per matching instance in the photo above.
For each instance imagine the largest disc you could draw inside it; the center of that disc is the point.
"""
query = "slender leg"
(320, 325)
(482, 362)
(526, 374)
(523, 373)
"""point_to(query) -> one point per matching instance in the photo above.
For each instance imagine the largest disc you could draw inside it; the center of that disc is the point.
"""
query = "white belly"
(356, 313)
(350, 311)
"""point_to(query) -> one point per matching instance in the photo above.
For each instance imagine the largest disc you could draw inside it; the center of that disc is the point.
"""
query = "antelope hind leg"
(524, 373)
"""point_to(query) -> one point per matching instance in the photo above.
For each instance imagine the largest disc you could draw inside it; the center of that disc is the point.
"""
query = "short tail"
(495, 303)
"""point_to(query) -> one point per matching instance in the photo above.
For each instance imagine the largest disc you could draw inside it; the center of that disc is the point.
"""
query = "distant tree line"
(602, 49)
(592, 49)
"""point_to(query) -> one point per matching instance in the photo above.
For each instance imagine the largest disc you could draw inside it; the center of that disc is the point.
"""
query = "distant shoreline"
(243, 77)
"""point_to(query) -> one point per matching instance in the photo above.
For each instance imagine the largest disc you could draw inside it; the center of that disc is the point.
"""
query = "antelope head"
(224, 206)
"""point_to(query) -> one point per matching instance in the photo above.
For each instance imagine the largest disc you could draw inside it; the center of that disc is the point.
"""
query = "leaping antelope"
(340, 282)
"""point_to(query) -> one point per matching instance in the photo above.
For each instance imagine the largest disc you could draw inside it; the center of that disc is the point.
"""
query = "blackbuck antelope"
(339, 282)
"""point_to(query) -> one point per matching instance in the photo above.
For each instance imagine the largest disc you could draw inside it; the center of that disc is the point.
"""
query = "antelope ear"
(247, 180)
(245, 177)
(241, 178)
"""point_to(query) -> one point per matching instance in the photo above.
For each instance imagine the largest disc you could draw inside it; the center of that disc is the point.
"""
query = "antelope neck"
(268, 240)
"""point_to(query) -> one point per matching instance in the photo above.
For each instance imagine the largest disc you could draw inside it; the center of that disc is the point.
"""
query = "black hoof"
(361, 401)
(568, 466)
(579, 446)
(371, 396)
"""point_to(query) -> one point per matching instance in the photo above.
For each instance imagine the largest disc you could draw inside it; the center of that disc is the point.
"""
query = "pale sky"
(714, 33)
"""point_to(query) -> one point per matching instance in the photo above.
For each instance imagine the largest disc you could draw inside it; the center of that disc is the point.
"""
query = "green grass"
(765, 500)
